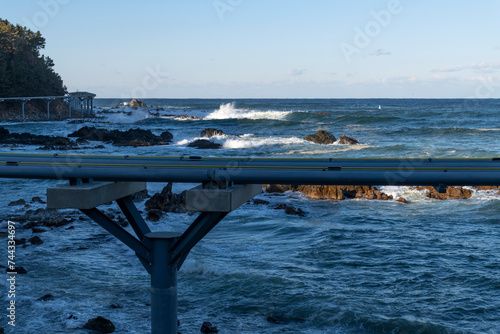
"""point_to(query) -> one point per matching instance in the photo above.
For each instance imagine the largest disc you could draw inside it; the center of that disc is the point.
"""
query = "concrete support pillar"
(69, 104)
(163, 283)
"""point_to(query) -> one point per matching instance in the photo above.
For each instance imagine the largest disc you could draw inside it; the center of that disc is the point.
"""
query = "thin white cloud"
(476, 67)
(296, 72)
(380, 52)
(398, 80)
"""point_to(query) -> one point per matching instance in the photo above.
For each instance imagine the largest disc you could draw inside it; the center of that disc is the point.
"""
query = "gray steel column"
(163, 283)
(23, 102)
(48, 108)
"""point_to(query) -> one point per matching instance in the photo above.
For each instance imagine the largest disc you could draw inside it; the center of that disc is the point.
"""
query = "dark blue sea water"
(353, 266)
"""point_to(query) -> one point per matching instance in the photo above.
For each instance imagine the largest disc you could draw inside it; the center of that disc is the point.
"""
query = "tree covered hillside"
(24, 71)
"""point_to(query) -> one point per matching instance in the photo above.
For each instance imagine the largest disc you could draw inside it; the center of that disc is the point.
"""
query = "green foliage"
(24, 71)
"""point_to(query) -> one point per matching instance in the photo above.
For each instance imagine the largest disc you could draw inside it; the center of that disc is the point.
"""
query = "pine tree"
(24, 71)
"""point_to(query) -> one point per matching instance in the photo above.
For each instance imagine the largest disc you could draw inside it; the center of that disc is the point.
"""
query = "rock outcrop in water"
(136, 104)
(131, 137)
(344, 140)
(6, 137)
(451, 193)
(166, 201)
(331, 192)
(290, 210)
(211, 132)
(205, 144)
(43, 217)
(326, 138)
(321, 137)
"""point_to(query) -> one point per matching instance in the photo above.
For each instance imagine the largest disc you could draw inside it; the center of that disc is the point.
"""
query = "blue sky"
(278, 48)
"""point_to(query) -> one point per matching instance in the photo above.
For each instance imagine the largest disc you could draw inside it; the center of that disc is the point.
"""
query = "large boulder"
(321, 137)
(344, 140)
(204, 144)
(211, 132)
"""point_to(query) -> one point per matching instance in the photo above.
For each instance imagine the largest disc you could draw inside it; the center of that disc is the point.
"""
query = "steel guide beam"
(424, 172)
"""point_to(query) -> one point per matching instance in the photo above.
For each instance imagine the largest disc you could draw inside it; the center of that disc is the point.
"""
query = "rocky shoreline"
(132, 137)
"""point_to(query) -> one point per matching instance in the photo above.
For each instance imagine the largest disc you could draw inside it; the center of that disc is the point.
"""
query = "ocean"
(352, 266)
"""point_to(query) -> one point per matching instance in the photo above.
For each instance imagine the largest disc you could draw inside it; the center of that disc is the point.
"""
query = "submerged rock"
(321, 137)
(207, 327)
(344, 140)
(100, 324)
(46, 297)
(205, 144)
(36, 240)
(37, 199)
(290, 210)
(17, 203)
(210, 132)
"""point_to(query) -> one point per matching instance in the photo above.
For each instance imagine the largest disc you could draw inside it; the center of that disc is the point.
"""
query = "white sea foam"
(410, 194)
(229, 111)
(325, 149)
(248, 141)
(193, 266)
(127, 115)
(184, 141)
(245, 141)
